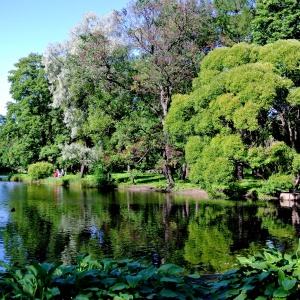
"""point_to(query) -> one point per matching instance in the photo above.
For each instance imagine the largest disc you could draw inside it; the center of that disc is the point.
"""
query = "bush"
(15, 178)
(40, 170)
(102, 176)
(277, 183)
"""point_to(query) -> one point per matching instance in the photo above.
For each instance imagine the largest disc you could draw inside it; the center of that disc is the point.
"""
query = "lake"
(54, 223)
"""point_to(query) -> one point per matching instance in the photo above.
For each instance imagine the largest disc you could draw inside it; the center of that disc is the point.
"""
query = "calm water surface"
(51, 224)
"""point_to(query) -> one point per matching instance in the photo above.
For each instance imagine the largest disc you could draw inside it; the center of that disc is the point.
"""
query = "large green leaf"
(65, 270)
(270, 289)
(244, 260)
(108, 281)
(241, 296)
(288, 284)
(171, 269)
(260, 265)
(87, 273)
(123, 297)
(50, 293)
(119, 287)
(247, 287)
(281, 277)
(281, 292)
(81, 297)
(133, 281)
(232, 292)
(147, 273)
(271, 257)
(263, 275)
(133, 266)
(171, 279)
(168, 293)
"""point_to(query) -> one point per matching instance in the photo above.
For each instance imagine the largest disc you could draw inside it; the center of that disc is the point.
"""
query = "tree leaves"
(248, 92)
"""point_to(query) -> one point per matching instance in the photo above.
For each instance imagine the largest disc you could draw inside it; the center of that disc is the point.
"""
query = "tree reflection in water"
(56, 224)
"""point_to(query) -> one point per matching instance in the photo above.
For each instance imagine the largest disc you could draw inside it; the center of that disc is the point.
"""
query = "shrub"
(102, 176)
(15, 178)
(277, 183)
(40, 170)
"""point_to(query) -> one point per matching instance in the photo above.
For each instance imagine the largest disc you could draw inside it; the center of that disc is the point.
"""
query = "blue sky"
(30, 25)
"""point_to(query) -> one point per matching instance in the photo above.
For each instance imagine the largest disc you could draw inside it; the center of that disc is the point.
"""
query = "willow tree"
(168, 39)
(90, 80)
(245, 101)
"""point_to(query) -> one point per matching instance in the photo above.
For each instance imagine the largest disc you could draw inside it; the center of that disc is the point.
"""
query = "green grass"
(156, 180)
(124, 179)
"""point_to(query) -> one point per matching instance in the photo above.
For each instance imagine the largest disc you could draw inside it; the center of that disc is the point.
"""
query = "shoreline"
(193, 192)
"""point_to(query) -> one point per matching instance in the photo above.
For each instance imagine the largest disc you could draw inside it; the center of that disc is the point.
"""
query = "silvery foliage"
(80, 153)
(59, 70)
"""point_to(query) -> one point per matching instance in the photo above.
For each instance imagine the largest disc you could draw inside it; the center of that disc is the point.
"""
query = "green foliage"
(102, 176)
(278, 182)
(193, 149)
(267, 275)
(104, 279)
(213, 164)
(296, 162)
(280, 157)
(272, 160)
(245, 111)
(32, 124)
(270, 275)
(233, 19)
(275, 20)
(178, 119)
(40, 170)
(15, 177)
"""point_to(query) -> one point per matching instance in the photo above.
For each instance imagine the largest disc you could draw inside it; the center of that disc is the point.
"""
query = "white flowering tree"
(91, 94)
(75, 153)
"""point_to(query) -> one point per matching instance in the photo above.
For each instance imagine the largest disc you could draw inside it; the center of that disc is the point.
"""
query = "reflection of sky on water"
(4, 213)
(99, 234)
(3, 221)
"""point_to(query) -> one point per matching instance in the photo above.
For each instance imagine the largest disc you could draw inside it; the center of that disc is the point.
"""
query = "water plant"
(268, 275)
(91, 279)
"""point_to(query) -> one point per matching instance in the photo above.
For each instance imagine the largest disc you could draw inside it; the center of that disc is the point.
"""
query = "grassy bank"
(122, 180)
(249, 187)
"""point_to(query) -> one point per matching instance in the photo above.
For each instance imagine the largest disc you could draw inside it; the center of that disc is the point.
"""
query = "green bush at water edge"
(40, 170)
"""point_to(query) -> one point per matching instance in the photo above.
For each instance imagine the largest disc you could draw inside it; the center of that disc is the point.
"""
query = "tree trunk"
(82, 169)
(165, 100)
(297, 182)
(239, 170)
(167, 168)
(183, 172)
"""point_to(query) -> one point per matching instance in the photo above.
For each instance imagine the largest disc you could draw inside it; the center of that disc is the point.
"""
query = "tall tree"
(233, 18)
(90, 80)
(167, 38)
(245, 102)
(274, 20)
(31, 124)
